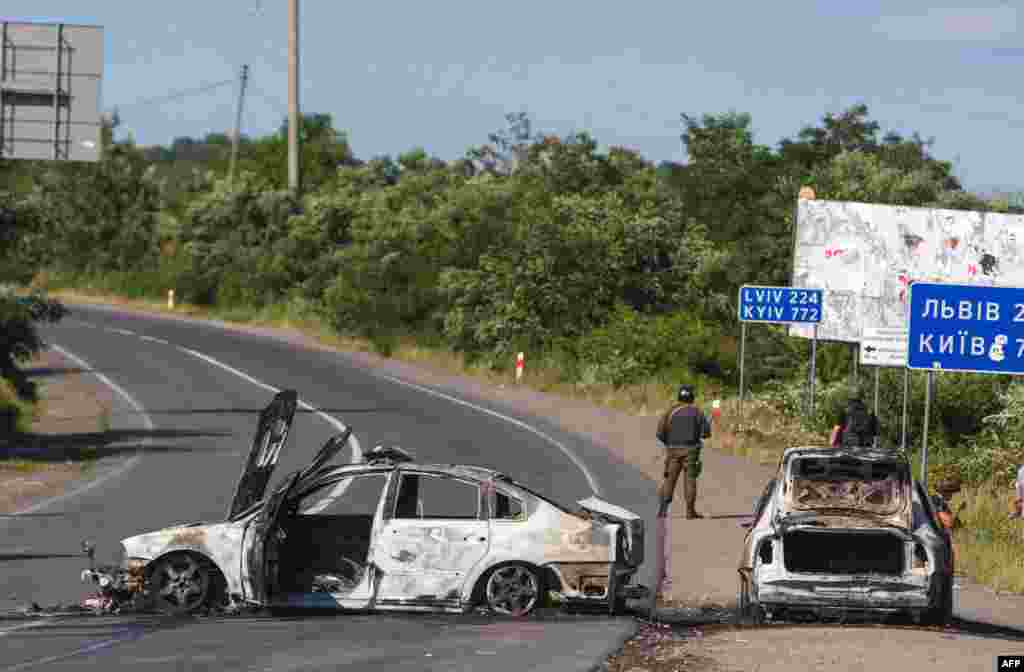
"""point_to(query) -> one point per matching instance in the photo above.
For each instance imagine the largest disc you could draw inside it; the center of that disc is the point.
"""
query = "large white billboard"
(864, 256)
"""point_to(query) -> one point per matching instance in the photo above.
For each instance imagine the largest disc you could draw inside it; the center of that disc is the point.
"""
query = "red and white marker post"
(519, 366)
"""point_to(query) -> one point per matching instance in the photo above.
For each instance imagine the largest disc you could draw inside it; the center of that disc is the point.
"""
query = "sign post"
(777, 305)
(970, 328)
(906, 394)
(814, 373)
(885, 346)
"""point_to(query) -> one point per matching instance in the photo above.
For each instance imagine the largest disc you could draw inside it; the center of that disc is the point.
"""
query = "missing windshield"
(847, 483)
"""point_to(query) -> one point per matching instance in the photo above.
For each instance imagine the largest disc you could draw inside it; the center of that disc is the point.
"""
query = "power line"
(272, 100)
(178, 95)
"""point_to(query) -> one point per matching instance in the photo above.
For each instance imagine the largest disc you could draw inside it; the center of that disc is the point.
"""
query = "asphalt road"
(192, 439)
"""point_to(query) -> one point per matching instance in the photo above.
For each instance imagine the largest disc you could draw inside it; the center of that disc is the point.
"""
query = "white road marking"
(354, 442)
(122, 469)
(23, 626)
(126, 332)
(591, 480)
(153, 339)
(357, 452)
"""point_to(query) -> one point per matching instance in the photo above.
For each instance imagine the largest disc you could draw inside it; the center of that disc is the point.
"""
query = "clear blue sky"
(441, 75)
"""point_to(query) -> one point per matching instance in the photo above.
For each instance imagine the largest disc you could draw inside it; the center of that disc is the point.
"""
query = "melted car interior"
(327, 535)
(846, 485)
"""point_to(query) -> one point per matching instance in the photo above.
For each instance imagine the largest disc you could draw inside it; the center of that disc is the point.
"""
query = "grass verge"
(45, 453)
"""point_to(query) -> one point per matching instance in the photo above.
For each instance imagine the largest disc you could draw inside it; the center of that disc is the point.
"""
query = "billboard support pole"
(877, 370)
(814, 373)
(57, 91)
(855, 369)
(743, 347)
(924, 439)
(906, 393)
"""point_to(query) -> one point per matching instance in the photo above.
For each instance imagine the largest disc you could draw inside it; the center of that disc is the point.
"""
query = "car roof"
(458, 470)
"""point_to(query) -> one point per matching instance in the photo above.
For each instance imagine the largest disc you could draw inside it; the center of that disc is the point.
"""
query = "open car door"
(326, 453)
(271, 434)
(261, 542)
(259, 548)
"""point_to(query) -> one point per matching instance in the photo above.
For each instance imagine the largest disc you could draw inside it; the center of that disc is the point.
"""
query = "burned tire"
(941, 614)
(513, 589)
(183, 583)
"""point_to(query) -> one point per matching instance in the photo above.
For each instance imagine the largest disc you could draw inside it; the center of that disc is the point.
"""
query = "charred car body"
(845, 530)
(382, 534)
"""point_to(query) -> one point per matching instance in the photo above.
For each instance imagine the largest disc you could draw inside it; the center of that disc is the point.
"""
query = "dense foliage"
(622, 270)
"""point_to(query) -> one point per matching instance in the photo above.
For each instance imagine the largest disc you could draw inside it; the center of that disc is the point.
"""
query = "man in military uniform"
(682, 430)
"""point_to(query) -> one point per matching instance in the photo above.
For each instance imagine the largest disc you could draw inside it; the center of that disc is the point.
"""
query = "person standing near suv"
(682, 430)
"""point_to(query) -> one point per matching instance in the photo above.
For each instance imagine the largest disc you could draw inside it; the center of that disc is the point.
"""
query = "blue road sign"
(780, 304)
(966, 328)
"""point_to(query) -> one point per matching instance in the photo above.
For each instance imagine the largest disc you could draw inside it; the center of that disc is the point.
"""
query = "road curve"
(202, 385)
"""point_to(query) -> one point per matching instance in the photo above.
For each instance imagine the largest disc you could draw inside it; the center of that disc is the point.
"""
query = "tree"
(324, 151)
(508, 148)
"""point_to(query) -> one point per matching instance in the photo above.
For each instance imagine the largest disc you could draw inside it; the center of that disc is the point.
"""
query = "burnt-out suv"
(841, 530)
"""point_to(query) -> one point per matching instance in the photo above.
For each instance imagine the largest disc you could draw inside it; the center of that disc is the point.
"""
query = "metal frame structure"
(54, 86)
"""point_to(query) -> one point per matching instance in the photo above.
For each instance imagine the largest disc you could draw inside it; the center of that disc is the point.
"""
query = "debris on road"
(659, 648)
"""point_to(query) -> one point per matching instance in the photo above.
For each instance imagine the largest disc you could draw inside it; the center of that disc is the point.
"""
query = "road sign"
(966, 328)
(782, 305)
(883, 346)
(50, 75)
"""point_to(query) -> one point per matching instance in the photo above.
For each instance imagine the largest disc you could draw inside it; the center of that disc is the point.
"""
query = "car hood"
(208, 538)
(273, 427)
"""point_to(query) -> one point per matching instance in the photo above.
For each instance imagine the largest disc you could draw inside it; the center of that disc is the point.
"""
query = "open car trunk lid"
(275, 423)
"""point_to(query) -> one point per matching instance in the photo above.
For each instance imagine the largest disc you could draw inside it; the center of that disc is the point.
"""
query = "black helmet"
(685, 393)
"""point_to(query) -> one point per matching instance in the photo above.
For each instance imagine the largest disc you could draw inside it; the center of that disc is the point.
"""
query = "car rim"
(512, 590)
(182, 584)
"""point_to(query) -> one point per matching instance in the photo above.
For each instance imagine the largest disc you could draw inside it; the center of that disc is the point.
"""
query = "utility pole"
(238, 123)
(294, 179)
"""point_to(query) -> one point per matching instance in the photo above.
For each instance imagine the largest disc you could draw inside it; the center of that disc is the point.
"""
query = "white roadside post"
(170, 299)
(519, 367)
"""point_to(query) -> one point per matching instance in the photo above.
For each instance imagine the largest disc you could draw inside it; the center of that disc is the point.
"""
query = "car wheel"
(512, 589)
(181, 583)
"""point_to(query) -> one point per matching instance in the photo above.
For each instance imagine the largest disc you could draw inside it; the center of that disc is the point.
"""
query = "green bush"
(16, 413)
(632, 348)
(996, 452)
(960, 403)
(19, 336)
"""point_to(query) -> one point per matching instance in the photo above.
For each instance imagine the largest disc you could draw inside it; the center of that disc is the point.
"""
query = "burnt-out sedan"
(845, 530)
(385, 533)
